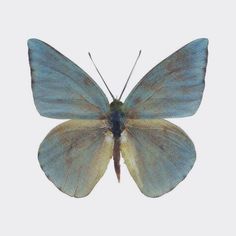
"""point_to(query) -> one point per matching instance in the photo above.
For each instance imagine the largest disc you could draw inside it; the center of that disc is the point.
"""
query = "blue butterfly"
(158, 154)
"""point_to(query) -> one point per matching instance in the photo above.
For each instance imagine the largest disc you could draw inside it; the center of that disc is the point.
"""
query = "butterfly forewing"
(173, 88)
(157, 153)
(75, 155)
(61, 89)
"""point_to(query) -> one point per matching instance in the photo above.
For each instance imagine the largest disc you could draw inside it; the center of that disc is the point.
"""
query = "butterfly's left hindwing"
(158, 155)
(75, 155)
(61, 89)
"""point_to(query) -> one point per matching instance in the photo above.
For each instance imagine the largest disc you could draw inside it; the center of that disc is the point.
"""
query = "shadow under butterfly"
(158, 154)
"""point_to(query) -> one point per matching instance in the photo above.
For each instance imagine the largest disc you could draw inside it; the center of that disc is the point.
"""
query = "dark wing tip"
(203, 42)
(32, 42)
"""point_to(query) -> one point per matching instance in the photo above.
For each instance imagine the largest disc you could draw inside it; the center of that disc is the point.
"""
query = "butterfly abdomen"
(116, 157)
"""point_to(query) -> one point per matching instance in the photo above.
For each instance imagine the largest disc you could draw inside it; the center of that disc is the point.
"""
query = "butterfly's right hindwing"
(61, 89)
(157, 153)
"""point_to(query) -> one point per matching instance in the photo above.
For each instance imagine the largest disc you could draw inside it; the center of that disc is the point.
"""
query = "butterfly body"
(158, 154)
(116, 121)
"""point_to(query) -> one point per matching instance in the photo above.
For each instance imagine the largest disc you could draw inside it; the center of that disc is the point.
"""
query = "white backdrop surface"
(114, 31)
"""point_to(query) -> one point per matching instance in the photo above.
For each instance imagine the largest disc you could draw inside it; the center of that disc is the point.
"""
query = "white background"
(114, 31)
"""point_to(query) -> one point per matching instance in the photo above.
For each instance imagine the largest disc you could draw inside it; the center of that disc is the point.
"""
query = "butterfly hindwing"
(157, 153)
(61, 89)
(173, 88)
(75, 155)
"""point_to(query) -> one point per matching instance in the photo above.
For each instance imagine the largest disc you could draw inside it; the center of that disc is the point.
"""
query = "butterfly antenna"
(101, 76)
(130, 74)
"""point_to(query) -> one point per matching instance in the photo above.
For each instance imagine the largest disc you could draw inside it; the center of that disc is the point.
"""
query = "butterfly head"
(116, 105)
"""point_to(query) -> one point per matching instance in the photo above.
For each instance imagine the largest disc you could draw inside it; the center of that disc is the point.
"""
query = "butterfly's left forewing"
(61, 89)
(75, 155)
(157, 153)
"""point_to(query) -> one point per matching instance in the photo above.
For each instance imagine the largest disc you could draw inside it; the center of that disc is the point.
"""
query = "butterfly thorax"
(116, 118)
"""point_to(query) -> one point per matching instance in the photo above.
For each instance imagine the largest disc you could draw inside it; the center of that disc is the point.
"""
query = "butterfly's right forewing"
(173, 88)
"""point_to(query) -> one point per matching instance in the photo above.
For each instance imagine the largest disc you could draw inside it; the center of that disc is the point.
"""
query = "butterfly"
(158, 154)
